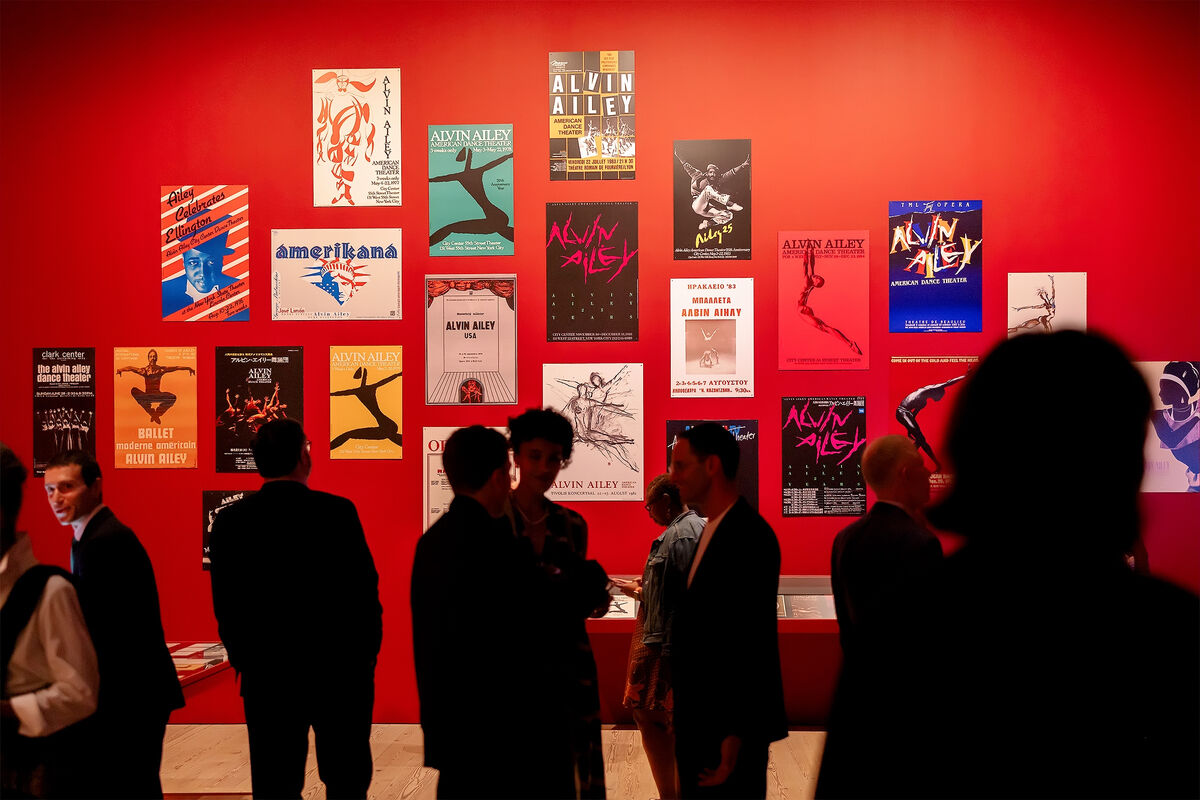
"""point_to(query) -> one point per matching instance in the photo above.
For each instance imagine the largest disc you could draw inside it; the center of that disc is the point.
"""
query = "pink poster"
(823, 300)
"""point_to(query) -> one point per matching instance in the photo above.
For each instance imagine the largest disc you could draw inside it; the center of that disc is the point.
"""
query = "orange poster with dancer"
(366, 391)
(154, 407)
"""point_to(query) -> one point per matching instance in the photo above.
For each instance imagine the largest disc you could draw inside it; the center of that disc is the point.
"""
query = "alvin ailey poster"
(746, 433)
(438, 493)
(205, 243)
(253, 385)
(921, 390)
(356, 137)
(824, 300)
(335, 274)
(1043, 302)
(823, 439)
(712, 337)
(212, 503)
(1173, 441)
(64, 402)
(470, 339)
(366, 402)
(470, 190)
(593, 136)
(935, 266)
(604, 405)
(592, 272)
(154, 407)
(711, 199)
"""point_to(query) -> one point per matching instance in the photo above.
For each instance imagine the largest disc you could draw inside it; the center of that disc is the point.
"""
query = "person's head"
(541, 441)
(152, 357)
(74, 486)
(894, 469)
(711, 172)
(1179, 383)
(201, 269)
(12, 486)
(704, 459)
(281, 450)
(476, 463)
(663, 503)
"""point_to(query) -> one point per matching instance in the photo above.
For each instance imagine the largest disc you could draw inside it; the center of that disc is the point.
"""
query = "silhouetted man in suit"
(296, 597)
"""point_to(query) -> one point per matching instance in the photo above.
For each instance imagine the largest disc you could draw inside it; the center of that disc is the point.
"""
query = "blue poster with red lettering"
(935, 266)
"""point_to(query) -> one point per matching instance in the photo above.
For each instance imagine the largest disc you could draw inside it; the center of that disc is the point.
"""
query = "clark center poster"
(64, 402)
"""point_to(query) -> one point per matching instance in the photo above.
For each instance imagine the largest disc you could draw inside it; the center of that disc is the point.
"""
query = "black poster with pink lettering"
(592, 272)
(823, 440)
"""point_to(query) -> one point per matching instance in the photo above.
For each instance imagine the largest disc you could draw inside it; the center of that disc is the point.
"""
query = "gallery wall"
(1074, 123)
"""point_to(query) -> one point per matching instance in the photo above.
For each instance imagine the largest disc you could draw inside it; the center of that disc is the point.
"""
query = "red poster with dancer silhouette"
(154, 407)
(366, 391)
(824, 310)
(921, 391)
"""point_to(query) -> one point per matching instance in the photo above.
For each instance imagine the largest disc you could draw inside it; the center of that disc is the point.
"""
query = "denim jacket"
(664, 580)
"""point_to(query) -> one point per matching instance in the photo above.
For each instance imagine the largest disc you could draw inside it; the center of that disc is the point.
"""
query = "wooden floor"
(212, 761)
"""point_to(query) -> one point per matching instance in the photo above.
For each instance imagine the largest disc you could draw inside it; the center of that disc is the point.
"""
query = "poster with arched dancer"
(366, 390)
(921, 392)
(470, 190)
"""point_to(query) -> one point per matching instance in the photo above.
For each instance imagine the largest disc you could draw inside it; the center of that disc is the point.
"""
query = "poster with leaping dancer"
(922, 389)
(254, 385)
(712, 337)
(356, 137)
(1044, 302)
(824, 303)
(470, 190)
(64, 402)
(366, 393)
(1173, 440)
(154, 407)
(604, 405)
(711, 199)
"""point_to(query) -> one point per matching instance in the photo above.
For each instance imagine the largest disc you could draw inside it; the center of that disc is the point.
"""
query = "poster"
(824, 300)
(810, 606)
(711, 199)
(205, 247)
(212, 503)
(746, 433)
(592, 111)
(935, 266)
(438, 493)
(823, 440)
(366, 394)
(591, 272)
(470, 190)
(64, 403)
(922, 390)
(1173, 440)
(470, 339)
(356, 137)
(712, 337)
(335, 274)
(604, 405)
(154, 407)
(254, 385)
(1042, 302)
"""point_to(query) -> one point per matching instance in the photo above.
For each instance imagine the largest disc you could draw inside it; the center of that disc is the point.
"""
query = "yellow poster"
(365, 402)
(154, 407)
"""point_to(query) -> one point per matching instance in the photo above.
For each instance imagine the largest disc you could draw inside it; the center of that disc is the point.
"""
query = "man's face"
(201, 269)
(70, 498)
(152, 358)
(712, 174)
(689, 474)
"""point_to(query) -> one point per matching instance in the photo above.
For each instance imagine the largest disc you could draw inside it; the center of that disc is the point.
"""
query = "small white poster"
(335, 274)
(356, 137)
(1041, 302)
(712, 337)
(438, 493)
(1173, 441)
(470, 339)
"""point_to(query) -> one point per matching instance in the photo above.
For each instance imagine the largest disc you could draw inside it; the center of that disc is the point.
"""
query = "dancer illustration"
(911, 405)
(344, 125)
(152, 374)
(814, 281)
(385, 428)
(1047, 305)
(710, 357)
(707, 198)
(597, 422)
(1178, 425)
(471, 178)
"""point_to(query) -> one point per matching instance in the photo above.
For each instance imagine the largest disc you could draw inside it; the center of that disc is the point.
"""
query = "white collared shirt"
(80, 525)
(706, 537)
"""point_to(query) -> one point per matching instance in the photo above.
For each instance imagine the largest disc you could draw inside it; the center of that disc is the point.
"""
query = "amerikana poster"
(1043, 302)
(212, 503)
(712, 337)
(154, 407)
(356, 137)
(922, 390)
(366, 394)
(253, 385)
(824, 300)
(711, 199)
(592, 272)
(823, 440)
(592, 113)
(746, 433)
(604, 405)
(1173, 441)
(470, 190)
(935, 266)
(205, 245)
(64, 402)
(470, 339)
(335, 274)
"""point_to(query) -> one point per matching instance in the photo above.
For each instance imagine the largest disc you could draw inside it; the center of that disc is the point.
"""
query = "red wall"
(1076, 124)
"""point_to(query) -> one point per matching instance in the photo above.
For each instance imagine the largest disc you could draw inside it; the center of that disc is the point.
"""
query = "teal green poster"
(470, 190)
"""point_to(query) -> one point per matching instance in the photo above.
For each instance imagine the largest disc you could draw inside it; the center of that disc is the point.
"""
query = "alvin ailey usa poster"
(356, 137)
(366, 402)
(921, 390)
(592, 272)
(823, 440)
(711, 199)
(604, 405)
(935, 266)
(712, 337)
(824, 300)
(64, 402)
(154, 407)
(438, 493)
(470, 339)
(470, 190)
(1042, 302)
(1173, 441)
(205, 245)
(746, 433)
(592, 114)
(212, 503)
(253, 385)
(335, 274)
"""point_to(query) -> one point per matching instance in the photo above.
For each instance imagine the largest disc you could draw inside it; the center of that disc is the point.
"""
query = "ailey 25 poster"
(335, 274)
(935, 266)
(591, 272)
(470, 190)
(593, 135)
(824, 303)
(154, 407)
(356, 137)
(470, 339)
(254, 385)
(205, 245)
(823, 439)
(712, 337)
(711, 199)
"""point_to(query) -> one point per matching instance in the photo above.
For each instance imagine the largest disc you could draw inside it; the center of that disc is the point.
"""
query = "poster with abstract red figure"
(823, 440)
(470, 339)
(1173, 441)
(356, 137)
(205, 243)
(922, 391)
(824, 308)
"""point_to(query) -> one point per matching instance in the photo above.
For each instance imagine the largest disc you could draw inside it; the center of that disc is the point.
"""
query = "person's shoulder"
(1162, 598)
(688, 526)
(336, 501)
(571, 516)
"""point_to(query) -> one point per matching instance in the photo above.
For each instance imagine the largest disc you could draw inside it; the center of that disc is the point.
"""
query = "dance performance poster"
(810, 606)
(935, 266)
(746, 433)
(356, 137)
(592, 115)
(604, 405)
(470, 339)
(254, 385)
(591, 272)
(438, 493)
(205, 247)
(470, 190)
(64, 402)
(212, 503)
(712, 337)
(1042, 302)
(922, 391)
(335, 274)
(712, 199)
(823, 440)
(1173, 441)
(824, 300)
(366, 393)
(154, 407)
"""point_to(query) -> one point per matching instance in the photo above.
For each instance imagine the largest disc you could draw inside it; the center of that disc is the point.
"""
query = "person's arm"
(177, 369)
(388, 379)
(679, 563)
(691, 171)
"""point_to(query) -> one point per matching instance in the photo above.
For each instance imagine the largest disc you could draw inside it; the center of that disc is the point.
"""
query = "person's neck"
(528, 499)
(719, 499)
(492, 505)
(897, 499)
(297, 477)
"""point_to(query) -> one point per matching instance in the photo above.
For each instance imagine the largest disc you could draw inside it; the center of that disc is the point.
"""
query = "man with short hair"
(291, 571)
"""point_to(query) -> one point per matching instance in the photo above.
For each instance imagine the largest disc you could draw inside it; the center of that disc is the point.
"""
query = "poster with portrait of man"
(205, 244)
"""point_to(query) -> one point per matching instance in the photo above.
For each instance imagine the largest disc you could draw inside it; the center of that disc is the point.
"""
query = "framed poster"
(823, 440)
(470, 339)
(64, 402)
(935, 266)
(712, 337)
(154, 407)
(212, 503)
(366, 394)
(711, 199)
(470, 190)
(592, 116)
(824, 300)
(336, 274)
(205, 247)
(591, 272)
(356, 137)
(254, 385)
(1173, 440)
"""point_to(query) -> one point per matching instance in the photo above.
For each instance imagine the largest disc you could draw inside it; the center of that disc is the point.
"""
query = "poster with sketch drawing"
(470, 339)
(356, 137)
(712, 337)
(1173, 441)
(604, 405)
(1043, 302)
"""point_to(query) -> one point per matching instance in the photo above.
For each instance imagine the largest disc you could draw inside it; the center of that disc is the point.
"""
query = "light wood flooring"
(211, 762)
